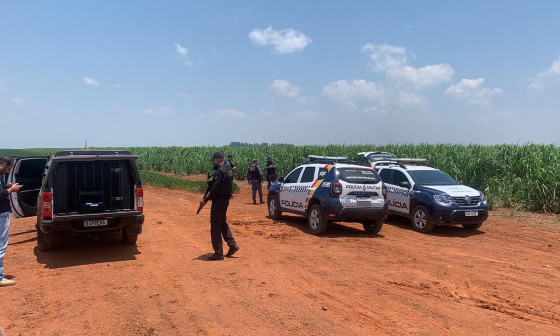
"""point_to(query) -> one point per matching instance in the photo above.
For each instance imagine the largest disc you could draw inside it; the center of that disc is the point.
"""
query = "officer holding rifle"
(219, 194)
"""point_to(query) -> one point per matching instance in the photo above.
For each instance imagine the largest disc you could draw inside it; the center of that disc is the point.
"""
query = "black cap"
(217, 155)
(269, 157)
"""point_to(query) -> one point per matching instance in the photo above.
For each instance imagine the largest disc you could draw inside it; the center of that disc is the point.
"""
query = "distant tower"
(85, 146)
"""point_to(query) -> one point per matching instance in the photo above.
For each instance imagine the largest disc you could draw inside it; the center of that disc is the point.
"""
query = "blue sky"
(185, 73)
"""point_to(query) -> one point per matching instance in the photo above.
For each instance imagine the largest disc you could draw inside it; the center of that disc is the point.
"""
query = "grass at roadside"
(158, 180)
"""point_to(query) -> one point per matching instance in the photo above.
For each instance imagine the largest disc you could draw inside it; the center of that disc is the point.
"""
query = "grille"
(466, 200)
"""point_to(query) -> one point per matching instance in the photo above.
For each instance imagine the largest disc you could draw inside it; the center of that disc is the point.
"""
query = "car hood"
(455, 190)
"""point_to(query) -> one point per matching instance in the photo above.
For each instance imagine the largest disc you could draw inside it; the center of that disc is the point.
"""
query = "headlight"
(443, 199)
(482, 198)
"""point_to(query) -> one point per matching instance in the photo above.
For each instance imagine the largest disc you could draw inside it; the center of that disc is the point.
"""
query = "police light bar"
(406, 160)
(334, 158)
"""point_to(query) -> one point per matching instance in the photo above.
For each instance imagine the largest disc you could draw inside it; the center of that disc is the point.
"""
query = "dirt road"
(501, 280)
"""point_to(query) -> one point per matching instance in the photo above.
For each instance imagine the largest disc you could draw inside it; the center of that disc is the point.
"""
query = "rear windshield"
(358, 175)
(431, 177)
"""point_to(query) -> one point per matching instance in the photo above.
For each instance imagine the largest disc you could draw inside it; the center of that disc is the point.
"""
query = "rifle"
(210, 184)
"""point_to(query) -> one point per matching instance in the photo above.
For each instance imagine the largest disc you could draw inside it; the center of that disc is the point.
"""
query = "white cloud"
(149, 111)
(183, 53)
(117, 86)
(90, 81)
(266, 113)
(229, 113)
(162, 110)
(547, 77)
(308, 115)
(350, 92)
(284, 41)
(183, 94)
(284, 88)
(393, 61)
(409, 99)
(472, 92)
(17, 100)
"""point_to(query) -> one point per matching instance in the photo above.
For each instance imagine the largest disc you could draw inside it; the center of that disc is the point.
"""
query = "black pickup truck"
(79, 192)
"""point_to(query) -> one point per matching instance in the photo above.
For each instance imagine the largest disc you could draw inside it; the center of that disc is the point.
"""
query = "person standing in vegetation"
(220, 194)
(270, 167)
(6, 165)
(255, 178)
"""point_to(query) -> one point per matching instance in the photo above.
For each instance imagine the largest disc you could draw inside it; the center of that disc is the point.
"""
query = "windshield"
(431, 177)
(358, 175)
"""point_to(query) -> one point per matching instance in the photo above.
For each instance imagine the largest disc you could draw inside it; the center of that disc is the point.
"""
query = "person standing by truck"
(255, 178)
(220, 194)
(6, 165)
(270, 167)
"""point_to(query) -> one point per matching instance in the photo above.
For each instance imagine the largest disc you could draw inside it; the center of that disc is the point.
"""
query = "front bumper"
(133, 222)
(457, 216)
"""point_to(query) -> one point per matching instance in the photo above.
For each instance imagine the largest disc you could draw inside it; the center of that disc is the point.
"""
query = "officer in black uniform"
(220, 195)
(270, 167)
(255, 178)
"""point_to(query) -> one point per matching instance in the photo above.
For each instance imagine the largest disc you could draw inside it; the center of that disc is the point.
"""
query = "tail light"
(336, 189)
(384, 190)
(140, 199)
(47, 205)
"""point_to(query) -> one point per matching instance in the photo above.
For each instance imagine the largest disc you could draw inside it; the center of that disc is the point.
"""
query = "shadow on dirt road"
(455, 231)
(83, 250)
(335, 229)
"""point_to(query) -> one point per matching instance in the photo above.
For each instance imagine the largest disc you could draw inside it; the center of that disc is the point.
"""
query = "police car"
(329, 189)
(428, 196)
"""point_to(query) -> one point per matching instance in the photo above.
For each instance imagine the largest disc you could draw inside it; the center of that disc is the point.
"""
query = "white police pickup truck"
(325, 189)
(428, 196)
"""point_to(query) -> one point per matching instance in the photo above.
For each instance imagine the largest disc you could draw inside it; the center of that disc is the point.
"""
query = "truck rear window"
(358, 175)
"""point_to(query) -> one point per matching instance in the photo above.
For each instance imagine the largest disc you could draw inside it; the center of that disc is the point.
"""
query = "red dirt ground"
(501, 280)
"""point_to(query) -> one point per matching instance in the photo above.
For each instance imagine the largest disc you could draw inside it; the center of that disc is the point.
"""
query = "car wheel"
(45, 241)
(129, 239)
(317, 223)
(373, 226)
(273, 207)
(420, 219)
(472, 226)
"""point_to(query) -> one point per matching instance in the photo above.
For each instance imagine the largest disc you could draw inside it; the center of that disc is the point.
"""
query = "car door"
(29, 173)
(288, 191)
(304, 185)
(398, 195)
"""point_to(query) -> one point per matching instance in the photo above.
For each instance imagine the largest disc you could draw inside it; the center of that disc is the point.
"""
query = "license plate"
(471, 213)
(363, 198)
(98, 222)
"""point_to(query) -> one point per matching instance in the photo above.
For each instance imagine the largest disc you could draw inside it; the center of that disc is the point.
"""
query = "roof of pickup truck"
(93, 154)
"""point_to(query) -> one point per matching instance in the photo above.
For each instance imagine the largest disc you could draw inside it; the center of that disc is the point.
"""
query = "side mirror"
(404, 184)
(281, 179)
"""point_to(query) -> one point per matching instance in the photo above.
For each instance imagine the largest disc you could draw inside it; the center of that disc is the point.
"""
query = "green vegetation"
(522, 176)
(162, 181)
(158, 180)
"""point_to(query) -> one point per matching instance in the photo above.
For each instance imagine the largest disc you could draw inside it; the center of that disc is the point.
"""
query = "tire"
(373, 226)
(472, 226)
(129, 239)
(317, 223)
(45, 241)
(420, 219)
(273, 207)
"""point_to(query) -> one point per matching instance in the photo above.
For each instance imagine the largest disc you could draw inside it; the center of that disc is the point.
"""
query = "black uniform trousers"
(218, 225)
